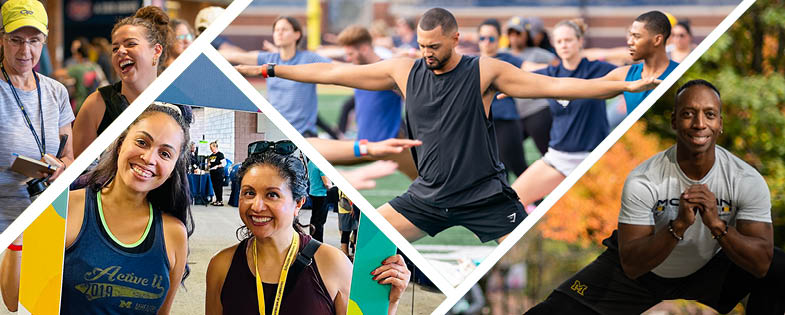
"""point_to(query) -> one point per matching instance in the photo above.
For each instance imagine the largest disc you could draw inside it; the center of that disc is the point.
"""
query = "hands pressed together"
(698, 199)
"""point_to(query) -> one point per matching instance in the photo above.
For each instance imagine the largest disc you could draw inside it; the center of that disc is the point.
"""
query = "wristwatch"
(271, 70)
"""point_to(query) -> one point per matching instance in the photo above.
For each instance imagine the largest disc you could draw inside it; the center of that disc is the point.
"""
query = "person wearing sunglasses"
(505, 115)
(183, 37)
(448, 97)
(277, 267)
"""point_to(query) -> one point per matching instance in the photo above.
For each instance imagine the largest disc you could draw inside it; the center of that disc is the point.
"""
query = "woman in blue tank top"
(273, 188)
(127, 232)
(578, 125)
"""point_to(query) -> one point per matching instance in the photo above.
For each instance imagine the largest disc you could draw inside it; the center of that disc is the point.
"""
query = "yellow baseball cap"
(24, 13)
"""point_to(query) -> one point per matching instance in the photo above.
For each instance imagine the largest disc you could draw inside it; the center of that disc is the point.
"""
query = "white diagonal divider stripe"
(595, 155)
(114, 130)
(288, 130)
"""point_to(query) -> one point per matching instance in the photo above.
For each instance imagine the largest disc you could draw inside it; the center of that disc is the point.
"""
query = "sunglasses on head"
(489, 38)
(285, 147)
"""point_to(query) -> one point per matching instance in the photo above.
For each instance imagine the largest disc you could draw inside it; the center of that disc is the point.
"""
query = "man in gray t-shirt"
(695, 223)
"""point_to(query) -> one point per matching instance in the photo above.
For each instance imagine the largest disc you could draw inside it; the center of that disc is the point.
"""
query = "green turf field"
(330, 101)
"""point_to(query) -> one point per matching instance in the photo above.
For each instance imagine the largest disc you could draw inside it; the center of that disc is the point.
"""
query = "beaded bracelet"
(670, 229)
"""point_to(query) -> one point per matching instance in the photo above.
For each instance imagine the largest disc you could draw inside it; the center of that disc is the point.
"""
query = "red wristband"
(264, 71)
(16, 248)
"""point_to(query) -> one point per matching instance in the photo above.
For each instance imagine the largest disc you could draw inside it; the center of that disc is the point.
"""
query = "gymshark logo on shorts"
(578, 287)
(511, 217)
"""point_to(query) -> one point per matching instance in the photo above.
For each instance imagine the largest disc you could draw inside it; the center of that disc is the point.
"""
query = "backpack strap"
(304, 259)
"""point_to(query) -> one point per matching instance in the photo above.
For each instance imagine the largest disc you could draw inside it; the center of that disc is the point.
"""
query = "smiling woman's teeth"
(261, 219)
(141, 172)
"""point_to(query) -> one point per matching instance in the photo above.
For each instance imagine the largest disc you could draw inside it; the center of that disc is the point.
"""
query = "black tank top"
(458, 161)
(306, 295)
(115, 104)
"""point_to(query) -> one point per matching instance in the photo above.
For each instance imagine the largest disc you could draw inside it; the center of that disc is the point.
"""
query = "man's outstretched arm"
(376, 76)
(515, 82)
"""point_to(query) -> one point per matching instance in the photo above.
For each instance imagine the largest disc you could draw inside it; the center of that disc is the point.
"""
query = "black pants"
(217, 178)
(508, 136)
(602, 288)
(318, 217)
(538, 127)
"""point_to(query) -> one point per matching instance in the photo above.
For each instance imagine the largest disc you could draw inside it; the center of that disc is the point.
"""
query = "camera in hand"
(36, 186)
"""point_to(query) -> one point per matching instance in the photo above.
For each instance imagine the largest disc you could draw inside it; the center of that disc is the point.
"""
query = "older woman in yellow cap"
(35, 117)
(35, 114)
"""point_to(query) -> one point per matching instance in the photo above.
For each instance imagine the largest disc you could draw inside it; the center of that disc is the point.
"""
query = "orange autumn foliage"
(588, 212)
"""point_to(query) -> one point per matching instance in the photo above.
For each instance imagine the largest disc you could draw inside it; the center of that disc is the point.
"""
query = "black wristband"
(271, 70)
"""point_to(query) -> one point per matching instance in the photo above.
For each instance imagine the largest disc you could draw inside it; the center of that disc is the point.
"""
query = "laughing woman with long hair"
(139, 49)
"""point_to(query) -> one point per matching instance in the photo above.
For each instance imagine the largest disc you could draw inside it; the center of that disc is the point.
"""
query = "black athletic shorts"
(603, 288)
(489, 219)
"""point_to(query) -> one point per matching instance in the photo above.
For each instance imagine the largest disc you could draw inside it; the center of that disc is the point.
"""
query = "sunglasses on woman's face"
(284, 147)
(488, 38)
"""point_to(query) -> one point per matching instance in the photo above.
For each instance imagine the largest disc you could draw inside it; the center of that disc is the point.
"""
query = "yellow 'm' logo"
(578, 287)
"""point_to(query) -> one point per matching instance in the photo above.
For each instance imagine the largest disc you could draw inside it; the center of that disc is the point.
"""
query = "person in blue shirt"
(578, 125)
(505, 115)
(296, 101)
(317, 191)
(378, 113)
(646, 41)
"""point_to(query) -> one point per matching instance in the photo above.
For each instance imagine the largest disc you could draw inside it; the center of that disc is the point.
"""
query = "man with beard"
(461, 181)
(646, 42)
(695, 223)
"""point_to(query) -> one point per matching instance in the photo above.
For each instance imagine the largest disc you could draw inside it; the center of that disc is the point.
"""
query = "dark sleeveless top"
(458, 161)
(115, 104)
(306, 295)
(101, 278)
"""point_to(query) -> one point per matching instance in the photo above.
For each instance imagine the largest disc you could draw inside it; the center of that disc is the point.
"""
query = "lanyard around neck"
(281, 281)
(41, 142)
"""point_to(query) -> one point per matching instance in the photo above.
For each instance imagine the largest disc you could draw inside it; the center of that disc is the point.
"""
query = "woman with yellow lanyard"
(277, 268)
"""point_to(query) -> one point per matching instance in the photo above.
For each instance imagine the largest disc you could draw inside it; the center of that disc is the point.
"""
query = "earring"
(155, 62)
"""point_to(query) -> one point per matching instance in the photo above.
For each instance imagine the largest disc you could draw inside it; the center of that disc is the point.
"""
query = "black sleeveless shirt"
(458, 161)
(115, 104)
(305, 295)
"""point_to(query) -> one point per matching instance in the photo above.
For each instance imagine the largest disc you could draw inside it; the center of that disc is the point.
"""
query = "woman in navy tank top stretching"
(127, 232)
(254, 276)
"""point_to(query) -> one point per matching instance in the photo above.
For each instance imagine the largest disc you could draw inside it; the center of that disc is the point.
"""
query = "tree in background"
(747, 64)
